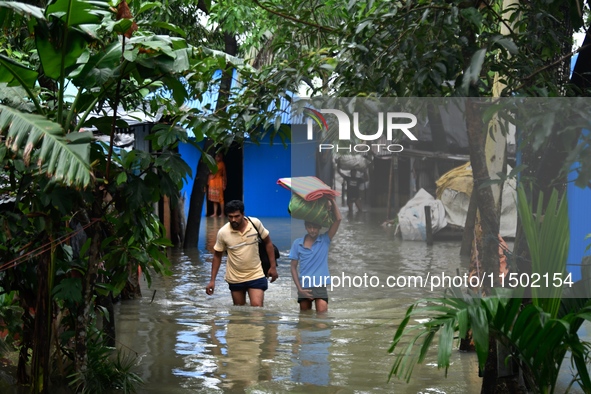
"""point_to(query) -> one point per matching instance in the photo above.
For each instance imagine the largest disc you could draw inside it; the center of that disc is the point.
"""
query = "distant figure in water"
(355, 184)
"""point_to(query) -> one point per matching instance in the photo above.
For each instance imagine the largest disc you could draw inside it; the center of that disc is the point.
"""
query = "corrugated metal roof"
(210, 98)
(288, 116)
(5, 197)
(207, 103)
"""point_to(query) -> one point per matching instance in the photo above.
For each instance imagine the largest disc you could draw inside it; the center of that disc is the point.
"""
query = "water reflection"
(310, 353)
(245, 341)
(189, 342)
(212, 225)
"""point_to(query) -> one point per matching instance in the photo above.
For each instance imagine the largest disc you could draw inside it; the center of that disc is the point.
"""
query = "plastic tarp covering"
(454, 189)
(411, 217)
(309, 188)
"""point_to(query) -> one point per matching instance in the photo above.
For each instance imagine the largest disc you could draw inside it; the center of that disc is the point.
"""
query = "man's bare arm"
(215, 267)
(271, 253)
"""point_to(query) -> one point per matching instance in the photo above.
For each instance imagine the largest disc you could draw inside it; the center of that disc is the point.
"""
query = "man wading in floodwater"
(244, 273)
(311, 252)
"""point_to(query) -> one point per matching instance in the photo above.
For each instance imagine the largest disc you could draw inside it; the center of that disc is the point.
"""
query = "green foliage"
(538, 335)
(60, 157)
(69, 289)
(71, 67)
(62, 40)
(537, 342)
(144, 244)
(106, 372)
(15, 74)
(548, 251)
(420, 49)
(10, 320)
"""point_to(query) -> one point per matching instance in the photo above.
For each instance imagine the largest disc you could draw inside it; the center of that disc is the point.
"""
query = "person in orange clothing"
(216, 185)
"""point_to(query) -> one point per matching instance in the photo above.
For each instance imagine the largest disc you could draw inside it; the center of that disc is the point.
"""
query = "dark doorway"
(380, 175)
(233, 158)
(380, 188)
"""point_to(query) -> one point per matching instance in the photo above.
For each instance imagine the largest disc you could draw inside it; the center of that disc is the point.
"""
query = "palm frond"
(15, 97)
(10, 9)
(63, 157)
(547, 237)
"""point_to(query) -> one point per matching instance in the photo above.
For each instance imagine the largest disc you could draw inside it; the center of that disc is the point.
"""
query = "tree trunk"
(84, 312)
(196, 202)
(27, 302)
(22, 377)
(488, 253)
(177, 225)
(469, 224)
(489, 217)
(202, 173)
(42, 333)
(581, 77)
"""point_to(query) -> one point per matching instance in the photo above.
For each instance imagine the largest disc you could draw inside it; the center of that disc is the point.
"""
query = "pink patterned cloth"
(309, 188)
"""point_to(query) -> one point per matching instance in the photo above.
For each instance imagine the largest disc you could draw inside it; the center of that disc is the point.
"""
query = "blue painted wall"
(303, 152)
(579, 215)
(264, 164)
(191, 155)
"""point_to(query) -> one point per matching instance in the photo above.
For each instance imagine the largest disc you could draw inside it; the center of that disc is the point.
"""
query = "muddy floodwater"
(188, 342)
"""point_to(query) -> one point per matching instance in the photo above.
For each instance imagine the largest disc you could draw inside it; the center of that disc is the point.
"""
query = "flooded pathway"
(188, 342)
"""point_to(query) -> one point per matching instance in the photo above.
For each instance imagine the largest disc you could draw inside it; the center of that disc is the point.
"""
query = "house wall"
(303, 152)
(140, 132)
(579, 215)
(191, 156)
(263, 165)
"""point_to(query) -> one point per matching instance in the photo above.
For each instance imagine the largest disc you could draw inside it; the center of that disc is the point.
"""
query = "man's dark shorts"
(317, 292)
(261, 284)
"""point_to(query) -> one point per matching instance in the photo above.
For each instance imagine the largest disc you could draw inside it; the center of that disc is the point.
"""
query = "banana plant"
(74, 55)
(84, 55)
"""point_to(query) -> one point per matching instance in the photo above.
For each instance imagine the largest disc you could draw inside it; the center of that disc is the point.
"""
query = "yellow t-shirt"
(243, 263)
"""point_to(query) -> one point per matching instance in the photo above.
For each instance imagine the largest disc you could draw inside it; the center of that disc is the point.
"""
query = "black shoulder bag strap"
(263, 256)
(256, 229)
(275, 249)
